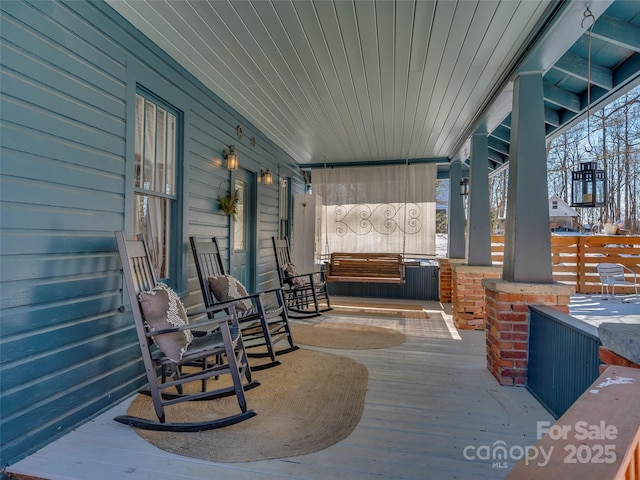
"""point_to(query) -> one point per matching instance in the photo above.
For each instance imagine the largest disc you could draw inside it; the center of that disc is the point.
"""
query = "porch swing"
(368, 267)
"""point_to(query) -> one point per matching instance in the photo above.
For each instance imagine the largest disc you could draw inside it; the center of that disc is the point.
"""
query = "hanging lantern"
(464, 186)
(588, 186)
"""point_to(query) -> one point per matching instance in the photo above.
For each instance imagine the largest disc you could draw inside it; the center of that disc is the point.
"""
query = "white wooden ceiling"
(348, 80)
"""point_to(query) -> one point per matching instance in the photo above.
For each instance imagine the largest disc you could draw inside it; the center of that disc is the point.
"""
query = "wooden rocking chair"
(262, 324)
(304, 292)
(161, 321)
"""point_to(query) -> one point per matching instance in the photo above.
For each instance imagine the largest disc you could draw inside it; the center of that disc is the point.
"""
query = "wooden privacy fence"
(575, 258)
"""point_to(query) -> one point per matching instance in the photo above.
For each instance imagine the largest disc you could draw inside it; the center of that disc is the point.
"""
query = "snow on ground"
(441, 245)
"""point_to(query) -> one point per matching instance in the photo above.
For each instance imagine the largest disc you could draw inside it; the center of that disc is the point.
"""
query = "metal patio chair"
(169, 344)
(262, 316)
(306, 294)
(612, 274)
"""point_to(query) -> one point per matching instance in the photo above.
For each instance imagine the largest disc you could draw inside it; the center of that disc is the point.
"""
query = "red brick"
(505, 306)
(462, 326)
(521, 327)
(520, 307)
(612, 358)
(492, 295)
(516, 336)
(504, 362)
(514, 372)
(520, 355)
(542, 299)
(505, 326)
(510, 297)
(514, 317)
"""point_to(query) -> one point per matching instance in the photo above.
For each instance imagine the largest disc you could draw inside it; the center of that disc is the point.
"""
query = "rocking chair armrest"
(190, 326)
(302, 275)
(227, 303)
(218, 307)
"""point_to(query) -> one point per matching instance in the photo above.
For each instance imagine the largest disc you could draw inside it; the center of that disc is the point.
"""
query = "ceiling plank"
(508, 32)
(365, 13)
(443, 19)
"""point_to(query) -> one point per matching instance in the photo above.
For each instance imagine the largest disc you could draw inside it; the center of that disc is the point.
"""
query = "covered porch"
(77, 75)
(431, 406)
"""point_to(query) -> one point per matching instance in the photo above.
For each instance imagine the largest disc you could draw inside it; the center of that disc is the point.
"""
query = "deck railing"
(575, 258)
(563, 358)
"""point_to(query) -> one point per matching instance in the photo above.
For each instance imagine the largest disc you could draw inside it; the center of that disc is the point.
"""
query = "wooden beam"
(578, 67)
(616, 31)
(562, 98)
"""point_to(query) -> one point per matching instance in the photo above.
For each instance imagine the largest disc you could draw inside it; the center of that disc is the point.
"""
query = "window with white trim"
(155, 182)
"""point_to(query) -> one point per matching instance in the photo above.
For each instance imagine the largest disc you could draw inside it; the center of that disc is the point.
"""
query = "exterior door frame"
(246, 258)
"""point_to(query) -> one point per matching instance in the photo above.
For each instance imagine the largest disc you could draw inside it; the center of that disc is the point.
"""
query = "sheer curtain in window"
(388, 209)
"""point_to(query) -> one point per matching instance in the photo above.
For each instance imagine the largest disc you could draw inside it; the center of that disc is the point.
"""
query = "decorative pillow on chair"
(291, 276)
(163, 309)
(226, 287)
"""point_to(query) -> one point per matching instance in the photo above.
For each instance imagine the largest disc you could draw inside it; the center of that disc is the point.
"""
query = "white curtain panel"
(388, 209)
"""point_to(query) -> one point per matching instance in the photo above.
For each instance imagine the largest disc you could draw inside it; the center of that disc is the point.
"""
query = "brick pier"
(507, 309)
(445, 277)
(468, 302)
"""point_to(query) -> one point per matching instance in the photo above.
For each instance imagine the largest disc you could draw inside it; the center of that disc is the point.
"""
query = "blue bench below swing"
(421, 283)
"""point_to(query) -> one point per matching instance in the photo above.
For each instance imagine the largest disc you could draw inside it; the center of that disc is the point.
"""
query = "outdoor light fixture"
(267, 176)
(464, 186)
(588, 186)
(232, 157)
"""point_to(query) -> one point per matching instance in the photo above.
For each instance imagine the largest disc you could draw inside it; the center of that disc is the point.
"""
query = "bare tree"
(615, 146)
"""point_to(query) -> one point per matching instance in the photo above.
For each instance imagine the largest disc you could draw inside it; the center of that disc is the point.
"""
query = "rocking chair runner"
(304, 292)
(261, 325)
(218, 338)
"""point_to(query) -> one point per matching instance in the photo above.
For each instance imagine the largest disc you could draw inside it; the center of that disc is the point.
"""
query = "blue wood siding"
(68, 75)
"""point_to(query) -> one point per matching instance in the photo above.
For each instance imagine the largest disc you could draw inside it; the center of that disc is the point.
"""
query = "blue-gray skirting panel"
(421, 284)
(563, 358)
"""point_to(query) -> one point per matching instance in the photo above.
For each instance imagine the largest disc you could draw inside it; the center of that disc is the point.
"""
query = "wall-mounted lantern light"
(267, 176)
(464, 186)
(588, 186)
(232, 157)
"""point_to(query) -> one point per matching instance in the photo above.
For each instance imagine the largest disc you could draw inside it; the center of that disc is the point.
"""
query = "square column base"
(507, 337)
(468, 303)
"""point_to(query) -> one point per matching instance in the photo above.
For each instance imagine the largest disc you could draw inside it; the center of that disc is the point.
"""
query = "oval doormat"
(311, 401)
(346, 335)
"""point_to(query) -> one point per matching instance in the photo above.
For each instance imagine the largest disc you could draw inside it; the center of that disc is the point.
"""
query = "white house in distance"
(561, 214)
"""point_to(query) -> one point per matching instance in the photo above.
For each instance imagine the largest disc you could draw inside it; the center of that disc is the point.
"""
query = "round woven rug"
(308, 403)
(351, 336)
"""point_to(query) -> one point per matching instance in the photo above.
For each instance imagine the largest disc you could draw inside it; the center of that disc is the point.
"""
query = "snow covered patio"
(594, 309)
